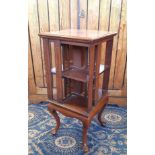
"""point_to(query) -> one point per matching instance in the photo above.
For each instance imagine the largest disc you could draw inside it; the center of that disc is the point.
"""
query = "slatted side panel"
(124, 89)
(51, 15)
(54, 25)
(115, 18)
(104, 21)
(105, 11)
(64, 12)
(93, 14)
(43, 26)
(53, 7)
(83, 9)
(74, 14)
(35, 42)
(31, 78)
(121, 50)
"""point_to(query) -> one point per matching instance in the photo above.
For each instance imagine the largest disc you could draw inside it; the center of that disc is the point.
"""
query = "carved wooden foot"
(85, 148)
(84, 137)
(55, 115)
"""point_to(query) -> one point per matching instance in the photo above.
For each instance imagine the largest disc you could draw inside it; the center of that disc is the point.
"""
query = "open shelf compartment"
(78, 74)
(77, 104)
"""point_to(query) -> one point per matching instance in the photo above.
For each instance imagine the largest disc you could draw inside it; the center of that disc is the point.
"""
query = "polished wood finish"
(55, 115)
(75, 35)
(77, 75)
(108, 55)
(91, 75)
(58, 64)
(35, 99)
(49, 78)
(97, 71)
(101, 69)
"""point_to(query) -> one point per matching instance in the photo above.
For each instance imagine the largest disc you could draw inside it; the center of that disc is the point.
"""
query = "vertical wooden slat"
(53, 14)
(91, 75)
(35, 42)
(64, 8)
(98, 57)
(66, 54)
(53, 6)
(64, 20)
(104, 15)
(43, 15)
(108, 54)
(103, 25)
(104, 22)
(44, 27)
(121, 50)
(31, 82)
(83, 7)
(114, 26)
(93, 14)
(58, 64)
(48, 68)
(74, 13)
(124, 90)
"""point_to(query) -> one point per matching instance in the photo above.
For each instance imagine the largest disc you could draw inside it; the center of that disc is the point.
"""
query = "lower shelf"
(76, 104)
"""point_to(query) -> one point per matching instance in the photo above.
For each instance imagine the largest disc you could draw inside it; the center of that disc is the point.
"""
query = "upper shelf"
(78, 74)
(78, 35)
(102, 69)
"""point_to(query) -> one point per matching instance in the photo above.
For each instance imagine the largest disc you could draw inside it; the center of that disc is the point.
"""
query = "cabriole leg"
(55, 115)
(84, 137)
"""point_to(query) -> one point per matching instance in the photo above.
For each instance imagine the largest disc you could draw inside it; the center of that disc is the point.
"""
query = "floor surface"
(108, 140)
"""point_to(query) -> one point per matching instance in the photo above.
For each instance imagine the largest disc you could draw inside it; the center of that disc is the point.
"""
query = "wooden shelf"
(102, 69)
(85, 36)
(78, 74)
(74, 103)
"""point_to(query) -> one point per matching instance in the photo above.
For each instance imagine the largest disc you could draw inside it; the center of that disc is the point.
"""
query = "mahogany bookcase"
(77, 70)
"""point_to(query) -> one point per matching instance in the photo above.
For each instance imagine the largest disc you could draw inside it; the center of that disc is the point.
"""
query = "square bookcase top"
(78, 35)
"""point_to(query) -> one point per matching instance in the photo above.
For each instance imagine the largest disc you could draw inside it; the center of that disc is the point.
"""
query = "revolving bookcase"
(77, 70)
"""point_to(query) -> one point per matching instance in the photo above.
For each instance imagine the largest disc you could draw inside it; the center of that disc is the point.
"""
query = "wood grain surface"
(35, 42)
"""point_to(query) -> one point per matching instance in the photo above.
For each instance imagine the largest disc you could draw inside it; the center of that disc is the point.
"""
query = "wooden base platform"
(76, 107)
